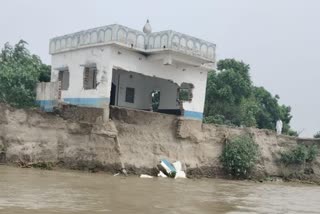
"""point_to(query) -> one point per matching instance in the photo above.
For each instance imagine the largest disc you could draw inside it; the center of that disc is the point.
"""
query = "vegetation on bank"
(317, 135)
(232, 99)
(43, 165)
(40, 165)
(301, 154)
(19, 73)
(239, 156)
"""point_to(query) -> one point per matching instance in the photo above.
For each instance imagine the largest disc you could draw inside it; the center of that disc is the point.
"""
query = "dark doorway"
(155, 99)
(113, 94)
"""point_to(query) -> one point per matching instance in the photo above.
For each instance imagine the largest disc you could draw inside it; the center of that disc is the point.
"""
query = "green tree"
(45, 73)
(231, 98)
(249, 108)
(236, 74)
(19, 73)
(227, 89)
(269, 110)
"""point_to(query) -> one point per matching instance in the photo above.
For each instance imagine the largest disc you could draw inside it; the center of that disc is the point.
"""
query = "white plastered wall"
(75, 61)
(108, 57)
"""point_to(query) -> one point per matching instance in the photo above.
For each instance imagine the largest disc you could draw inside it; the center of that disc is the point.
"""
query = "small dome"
(147, 28)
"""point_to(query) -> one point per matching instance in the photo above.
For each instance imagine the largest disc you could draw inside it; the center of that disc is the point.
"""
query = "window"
(130, 95)
(64, 79)
(90, 78)
(185, 92)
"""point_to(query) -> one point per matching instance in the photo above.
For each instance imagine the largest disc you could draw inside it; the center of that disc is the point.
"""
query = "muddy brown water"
(39, 191)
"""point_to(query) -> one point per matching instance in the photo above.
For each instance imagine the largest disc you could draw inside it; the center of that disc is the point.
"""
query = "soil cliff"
(135, 140)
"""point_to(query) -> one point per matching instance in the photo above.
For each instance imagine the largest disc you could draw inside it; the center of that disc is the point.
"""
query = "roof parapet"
(148, 43)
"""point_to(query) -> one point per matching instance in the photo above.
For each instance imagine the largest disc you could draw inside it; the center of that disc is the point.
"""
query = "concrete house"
(162, 71)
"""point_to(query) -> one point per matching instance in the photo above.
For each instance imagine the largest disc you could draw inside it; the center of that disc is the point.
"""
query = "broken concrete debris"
(162, 175)
(145, 176)
(167, 169)
(179, 172)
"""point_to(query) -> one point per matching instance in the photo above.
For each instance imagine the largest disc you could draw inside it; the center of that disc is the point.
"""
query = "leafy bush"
(299, 155)
(293, 133)
(317, 135)
(217, 119)
(312, 153)
(239, 156)
(295, 156)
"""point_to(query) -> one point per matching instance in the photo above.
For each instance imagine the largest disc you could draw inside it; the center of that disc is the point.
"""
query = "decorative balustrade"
(131, 38)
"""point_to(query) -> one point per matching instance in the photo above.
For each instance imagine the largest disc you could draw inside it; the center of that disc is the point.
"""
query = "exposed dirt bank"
(136, 140)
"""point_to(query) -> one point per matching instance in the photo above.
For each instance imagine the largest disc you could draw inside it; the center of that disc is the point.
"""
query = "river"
(32, 191)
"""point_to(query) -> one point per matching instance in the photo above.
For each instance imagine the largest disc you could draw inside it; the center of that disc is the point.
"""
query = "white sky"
(280, 39)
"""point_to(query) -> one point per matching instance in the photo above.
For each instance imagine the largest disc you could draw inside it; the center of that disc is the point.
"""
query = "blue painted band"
(193, 115)
(91, 102)
(47, 105)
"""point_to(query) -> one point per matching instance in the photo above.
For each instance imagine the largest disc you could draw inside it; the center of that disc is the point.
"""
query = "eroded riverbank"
(40, 191)
(79, 138)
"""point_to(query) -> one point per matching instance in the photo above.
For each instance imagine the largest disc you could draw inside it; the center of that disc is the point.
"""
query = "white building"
(165, 71)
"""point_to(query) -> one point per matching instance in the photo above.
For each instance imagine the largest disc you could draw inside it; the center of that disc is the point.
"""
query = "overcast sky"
(280, 39)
